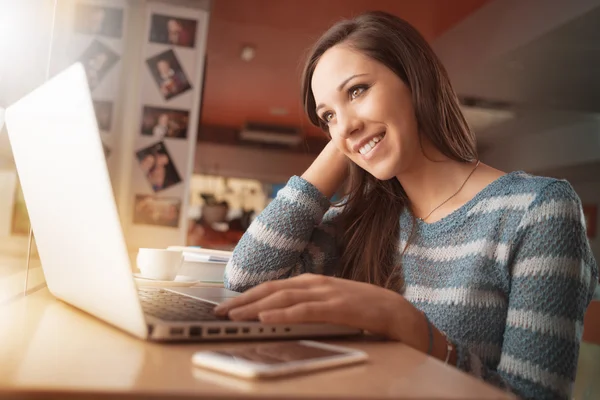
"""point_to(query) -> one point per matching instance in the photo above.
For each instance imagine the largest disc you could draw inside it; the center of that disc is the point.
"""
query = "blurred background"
(526, 73)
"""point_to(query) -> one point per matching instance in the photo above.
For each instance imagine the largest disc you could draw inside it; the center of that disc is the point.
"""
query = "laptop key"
(171, 306)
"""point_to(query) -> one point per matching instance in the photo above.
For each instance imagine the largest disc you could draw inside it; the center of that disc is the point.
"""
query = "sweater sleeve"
(294, 234)
(553, 277)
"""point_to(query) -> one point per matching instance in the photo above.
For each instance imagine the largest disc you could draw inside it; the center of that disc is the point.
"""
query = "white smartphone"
(277, 359)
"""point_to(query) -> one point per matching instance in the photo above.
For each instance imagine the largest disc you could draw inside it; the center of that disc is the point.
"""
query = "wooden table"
(49, 349)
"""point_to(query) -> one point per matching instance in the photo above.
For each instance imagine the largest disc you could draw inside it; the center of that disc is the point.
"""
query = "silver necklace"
(459, 189)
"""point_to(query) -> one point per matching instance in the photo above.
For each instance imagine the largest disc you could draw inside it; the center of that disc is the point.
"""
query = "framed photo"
(168, 74)
(173, 31)
(103, 110)
(97, 60)
(154, 210)
(97, 20)
(157, 164)
(165, 122)
(590, 212)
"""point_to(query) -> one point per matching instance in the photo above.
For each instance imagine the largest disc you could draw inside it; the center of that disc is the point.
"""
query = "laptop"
(62, 168)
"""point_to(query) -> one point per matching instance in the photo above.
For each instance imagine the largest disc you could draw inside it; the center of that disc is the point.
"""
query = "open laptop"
(68, 193)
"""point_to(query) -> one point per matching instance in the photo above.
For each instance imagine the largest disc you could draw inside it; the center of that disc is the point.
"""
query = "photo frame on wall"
(171, 30)
(91, 19)
(157, 165)
(165, 122)
(168, 74)
(97, 60)
(103, 110)
(154, 210)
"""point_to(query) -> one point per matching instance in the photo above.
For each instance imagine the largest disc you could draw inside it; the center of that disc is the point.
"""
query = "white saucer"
(180, 281)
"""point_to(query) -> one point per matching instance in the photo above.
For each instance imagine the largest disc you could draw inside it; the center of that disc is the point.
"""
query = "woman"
(488, 271)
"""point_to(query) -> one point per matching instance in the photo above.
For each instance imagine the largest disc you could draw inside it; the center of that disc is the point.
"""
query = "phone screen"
(278, 353)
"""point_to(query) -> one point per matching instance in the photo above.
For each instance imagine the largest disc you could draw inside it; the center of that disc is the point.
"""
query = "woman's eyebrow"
(339, 88)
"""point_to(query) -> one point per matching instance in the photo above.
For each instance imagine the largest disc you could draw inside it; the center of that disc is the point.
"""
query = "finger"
(280, 299)
(251, 296)
(266, 288)
(313, 311)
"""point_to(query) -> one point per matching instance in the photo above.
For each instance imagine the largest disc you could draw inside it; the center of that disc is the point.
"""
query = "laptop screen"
(67, 189)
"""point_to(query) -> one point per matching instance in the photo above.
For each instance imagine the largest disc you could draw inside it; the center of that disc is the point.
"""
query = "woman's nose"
(348, 124)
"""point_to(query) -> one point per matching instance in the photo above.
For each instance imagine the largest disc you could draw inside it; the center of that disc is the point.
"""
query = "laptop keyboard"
(171, 306)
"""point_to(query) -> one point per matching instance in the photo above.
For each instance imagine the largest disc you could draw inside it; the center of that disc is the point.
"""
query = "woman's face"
(368, 110)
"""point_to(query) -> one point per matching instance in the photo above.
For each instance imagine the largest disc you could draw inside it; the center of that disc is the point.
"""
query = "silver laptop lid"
(66, 185)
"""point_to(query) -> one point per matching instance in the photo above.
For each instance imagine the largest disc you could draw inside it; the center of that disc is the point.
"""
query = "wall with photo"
(141, 62)
(112, 40)
(57, 34)
(94, 32)
(166, 112)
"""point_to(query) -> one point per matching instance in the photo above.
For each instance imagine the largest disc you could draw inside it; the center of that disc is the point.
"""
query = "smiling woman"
(430, 246)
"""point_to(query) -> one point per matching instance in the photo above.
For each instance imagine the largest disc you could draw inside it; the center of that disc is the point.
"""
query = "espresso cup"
(160, 264)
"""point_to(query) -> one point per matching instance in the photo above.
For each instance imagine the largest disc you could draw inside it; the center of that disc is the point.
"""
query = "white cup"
(160, 264)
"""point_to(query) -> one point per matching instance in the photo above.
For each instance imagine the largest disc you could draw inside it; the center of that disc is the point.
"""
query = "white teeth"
(369, 146)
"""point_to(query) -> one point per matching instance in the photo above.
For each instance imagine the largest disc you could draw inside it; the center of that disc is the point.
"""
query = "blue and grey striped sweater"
(507, 276)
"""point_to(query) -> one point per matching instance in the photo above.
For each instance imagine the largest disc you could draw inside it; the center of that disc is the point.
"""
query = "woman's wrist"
(415, 330)
(328, 171)
(441, 346)
(409, 326)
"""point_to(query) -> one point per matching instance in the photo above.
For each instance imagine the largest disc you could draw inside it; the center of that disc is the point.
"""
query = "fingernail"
(263, 316)
(220, 310)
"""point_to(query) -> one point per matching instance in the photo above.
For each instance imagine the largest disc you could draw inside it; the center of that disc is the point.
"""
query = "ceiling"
(558, 70)
(547, 75)
(266, 89)
(539, 59)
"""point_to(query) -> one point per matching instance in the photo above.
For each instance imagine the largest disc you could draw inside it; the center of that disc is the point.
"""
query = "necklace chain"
(449, 198)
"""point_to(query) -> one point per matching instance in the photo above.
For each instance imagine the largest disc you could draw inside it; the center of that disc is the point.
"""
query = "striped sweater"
(507, 276)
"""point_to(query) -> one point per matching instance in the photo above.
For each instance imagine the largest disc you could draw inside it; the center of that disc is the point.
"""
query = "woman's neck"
(429, 183)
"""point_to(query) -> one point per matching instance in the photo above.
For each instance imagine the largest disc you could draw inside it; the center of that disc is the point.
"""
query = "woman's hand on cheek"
(322, 299)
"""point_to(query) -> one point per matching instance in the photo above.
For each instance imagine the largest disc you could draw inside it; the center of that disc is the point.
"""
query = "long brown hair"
(370, 219)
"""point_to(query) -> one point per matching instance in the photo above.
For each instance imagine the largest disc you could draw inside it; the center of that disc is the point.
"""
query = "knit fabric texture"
(508, 276)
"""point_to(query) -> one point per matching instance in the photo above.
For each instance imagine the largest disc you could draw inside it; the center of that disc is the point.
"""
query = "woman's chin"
(381, 174)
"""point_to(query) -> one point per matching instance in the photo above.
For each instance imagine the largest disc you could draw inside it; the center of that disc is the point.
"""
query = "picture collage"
(98, 31)
(169, 80)
(152, 210)
(165, 122)
(165, 119)
(103, 25)
(157, 165)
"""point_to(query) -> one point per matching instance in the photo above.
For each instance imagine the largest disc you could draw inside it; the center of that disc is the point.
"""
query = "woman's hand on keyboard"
(312, 298)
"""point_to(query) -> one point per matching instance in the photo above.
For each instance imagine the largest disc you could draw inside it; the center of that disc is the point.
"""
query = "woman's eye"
(356, 91)
(327, 117)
